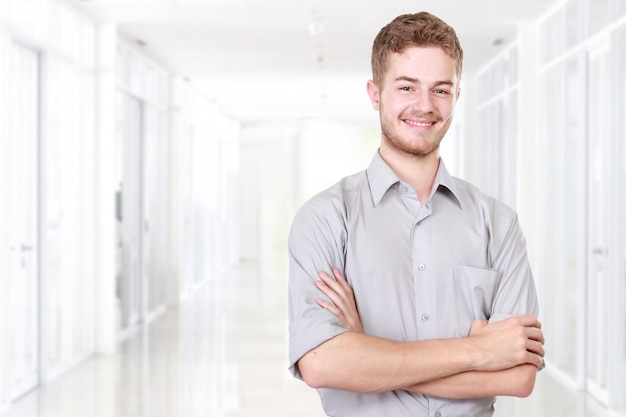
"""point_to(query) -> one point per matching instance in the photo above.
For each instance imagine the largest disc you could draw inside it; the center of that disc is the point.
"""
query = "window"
(598, 15)
(572, 24)
(497, 109)
(551, 40)
(583, 263)
(64, 173)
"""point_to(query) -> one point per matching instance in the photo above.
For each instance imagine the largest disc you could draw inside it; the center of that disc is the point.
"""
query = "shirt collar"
(381, 177)
(444, 179)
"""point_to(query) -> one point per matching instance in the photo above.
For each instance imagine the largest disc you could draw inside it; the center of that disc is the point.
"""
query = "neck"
(417, 171)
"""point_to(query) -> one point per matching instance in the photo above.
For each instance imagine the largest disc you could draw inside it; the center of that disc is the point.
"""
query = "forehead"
(423, 63)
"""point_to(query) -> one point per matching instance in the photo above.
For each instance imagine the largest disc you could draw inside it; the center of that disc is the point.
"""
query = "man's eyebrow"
(416, 81)
(407, 78)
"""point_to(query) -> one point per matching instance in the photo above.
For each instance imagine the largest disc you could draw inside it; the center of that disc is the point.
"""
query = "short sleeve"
(516, 294)
(316, 243)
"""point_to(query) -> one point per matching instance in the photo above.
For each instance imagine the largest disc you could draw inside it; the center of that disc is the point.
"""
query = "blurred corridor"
(223, 354)
(153, 154)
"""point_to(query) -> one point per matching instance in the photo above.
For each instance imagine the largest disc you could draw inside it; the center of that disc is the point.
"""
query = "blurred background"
(154, 152)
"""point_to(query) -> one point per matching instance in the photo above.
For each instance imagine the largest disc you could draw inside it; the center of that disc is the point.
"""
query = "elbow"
(311, 378)
(311, 372)
(524, 391)
(526, 382)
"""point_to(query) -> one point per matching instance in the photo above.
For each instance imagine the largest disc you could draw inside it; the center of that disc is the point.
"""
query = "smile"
(418, 124)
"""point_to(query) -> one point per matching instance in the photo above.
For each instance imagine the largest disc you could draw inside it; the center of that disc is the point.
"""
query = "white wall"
(282, 165)
(63, 42)
(83, 69)
(569, 152)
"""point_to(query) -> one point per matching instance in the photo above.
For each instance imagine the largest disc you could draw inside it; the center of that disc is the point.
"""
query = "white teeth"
(419, 124)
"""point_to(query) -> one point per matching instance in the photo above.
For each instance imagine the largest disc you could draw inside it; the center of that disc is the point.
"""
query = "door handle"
(600, 251)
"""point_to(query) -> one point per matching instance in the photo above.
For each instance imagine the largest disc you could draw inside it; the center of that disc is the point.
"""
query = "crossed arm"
(496, 359)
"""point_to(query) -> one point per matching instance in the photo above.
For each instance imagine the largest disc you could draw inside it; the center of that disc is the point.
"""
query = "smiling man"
(447, 307)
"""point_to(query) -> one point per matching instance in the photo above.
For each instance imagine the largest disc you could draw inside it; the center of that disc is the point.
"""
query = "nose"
(423, 102)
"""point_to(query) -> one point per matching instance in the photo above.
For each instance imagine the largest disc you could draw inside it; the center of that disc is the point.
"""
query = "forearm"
(360, 363)
(518, 381)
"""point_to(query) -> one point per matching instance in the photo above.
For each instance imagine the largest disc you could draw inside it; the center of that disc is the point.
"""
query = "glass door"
(153, 185)
(600, 249)
(186, 184)
(129, 212)
(618, 380)
(22, 197)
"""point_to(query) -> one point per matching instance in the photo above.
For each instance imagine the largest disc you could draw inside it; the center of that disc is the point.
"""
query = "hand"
(512, 342)
(341, 294)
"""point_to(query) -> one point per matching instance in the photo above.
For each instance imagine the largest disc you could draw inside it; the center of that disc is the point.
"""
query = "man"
(439, 271)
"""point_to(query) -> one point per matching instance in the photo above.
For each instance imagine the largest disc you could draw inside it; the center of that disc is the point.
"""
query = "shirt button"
(425, 317)
(421, 267)
(438, 414)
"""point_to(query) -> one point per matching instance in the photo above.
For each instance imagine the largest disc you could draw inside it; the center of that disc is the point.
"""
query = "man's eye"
(441, 91)
(405, 88)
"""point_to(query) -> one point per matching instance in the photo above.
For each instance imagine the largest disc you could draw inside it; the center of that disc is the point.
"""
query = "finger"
(534, 360)
(535, 334)
(534, 341)
(347, 291)
(325, 277)
(535, 347)
(330, 307)
(338, 275)
(529, 320)
(331, 282)
(333, 293)
(341, 279)
(328, 291)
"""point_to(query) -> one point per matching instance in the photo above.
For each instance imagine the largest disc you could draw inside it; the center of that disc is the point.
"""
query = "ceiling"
(294, 59)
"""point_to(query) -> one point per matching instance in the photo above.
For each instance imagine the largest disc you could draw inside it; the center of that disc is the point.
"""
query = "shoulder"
(334, 200)
(499, 220)
(329, 208)
(493, 210)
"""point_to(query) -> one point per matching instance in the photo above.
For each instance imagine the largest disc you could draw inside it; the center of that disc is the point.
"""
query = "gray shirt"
(418, 272)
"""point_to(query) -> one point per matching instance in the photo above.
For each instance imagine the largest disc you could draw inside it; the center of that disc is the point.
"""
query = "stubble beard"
(420, 149)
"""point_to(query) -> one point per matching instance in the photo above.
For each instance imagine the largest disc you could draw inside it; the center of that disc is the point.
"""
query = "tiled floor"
(223, 354)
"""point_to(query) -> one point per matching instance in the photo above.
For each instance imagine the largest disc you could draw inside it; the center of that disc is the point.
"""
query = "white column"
(106, 51)
(471, 131)
(4, 240)
(173, 278)
(528, 149)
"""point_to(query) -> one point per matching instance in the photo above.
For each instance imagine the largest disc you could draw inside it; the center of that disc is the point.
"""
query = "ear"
(458, 93)
(374, 93)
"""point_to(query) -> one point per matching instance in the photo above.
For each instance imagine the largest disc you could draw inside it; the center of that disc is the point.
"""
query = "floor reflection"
(223, 353)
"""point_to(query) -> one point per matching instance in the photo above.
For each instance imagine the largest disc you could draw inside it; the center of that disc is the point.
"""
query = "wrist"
(477, 359)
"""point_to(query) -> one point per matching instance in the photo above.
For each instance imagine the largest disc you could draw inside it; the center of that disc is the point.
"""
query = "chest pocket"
(474, 291)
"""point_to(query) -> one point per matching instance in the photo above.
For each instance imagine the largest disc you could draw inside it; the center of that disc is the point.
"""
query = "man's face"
(416, 100)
